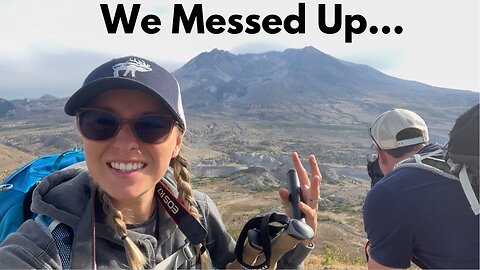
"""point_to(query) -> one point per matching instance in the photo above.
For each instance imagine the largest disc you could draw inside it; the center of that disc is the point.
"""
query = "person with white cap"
(399, 134)
(134, 206)
(413, 214)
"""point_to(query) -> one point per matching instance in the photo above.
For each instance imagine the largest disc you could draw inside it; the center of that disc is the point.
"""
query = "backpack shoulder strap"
(468, 190)
(444, 168)
(429, 163)
(185, 253)
(62, 235)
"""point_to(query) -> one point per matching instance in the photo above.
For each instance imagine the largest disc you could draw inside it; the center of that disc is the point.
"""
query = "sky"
(49, 46)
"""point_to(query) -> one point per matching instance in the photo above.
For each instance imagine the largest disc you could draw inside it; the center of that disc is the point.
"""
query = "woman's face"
(114, 163)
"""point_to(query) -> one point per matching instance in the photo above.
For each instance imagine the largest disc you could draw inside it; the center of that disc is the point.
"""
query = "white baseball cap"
(385, 129)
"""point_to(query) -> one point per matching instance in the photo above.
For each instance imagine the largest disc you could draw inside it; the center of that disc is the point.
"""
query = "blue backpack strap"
(63, 237)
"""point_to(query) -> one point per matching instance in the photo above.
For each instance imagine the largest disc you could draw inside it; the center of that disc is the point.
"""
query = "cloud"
(40, 35)
(44, 72)
(59, 73)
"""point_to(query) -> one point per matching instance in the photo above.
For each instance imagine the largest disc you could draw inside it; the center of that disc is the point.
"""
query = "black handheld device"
(373, 169)
(295, 193)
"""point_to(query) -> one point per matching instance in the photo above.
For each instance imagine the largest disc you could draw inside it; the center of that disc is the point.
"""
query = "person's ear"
(178, 146)
(381, 156)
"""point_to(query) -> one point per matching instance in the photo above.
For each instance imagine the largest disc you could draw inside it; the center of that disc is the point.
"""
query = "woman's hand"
(310, 192)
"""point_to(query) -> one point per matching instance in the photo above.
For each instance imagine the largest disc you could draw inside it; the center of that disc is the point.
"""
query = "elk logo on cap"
(130, 67)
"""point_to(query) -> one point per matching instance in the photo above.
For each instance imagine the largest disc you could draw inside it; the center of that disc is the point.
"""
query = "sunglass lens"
(98, 125)
(153, 128)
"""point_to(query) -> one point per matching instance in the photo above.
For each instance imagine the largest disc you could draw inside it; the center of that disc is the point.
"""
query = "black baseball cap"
(130, 72)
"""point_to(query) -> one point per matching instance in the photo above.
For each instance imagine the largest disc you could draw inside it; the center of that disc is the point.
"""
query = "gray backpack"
(460, 161)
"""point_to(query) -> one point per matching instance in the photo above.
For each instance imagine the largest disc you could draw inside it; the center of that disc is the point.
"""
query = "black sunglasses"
(99, 125)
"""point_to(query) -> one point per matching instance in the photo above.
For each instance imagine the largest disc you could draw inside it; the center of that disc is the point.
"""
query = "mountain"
(5, 107)
(228, 96)
(306, 84)
(44, 107)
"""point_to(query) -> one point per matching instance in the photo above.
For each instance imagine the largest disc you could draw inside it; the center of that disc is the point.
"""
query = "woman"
(130, 115)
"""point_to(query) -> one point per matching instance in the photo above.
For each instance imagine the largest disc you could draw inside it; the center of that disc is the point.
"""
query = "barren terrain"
(240, 163)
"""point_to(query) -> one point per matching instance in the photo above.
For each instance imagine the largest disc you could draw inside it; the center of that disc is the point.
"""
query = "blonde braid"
(135, 257)
(182, 176)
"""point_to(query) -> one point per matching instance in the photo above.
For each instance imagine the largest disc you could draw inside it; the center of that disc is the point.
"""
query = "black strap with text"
(189, 225)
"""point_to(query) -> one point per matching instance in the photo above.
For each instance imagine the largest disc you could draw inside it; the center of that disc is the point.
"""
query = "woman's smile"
(126, 166)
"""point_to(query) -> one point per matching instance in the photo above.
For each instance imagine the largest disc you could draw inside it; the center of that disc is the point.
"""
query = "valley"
(246, 114)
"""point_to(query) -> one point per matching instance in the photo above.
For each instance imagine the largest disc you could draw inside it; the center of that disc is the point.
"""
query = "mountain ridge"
(305, 84)
(300, 85)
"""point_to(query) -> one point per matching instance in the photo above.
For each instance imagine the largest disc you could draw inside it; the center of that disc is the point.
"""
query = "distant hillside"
(5, 107)
(44, 106)
(11, 159)
(307, 85)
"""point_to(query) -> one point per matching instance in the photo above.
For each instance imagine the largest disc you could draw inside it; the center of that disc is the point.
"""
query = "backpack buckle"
(4, 187)
(188, 253)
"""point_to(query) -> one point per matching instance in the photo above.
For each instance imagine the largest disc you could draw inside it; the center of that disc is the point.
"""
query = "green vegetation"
(332, 255)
